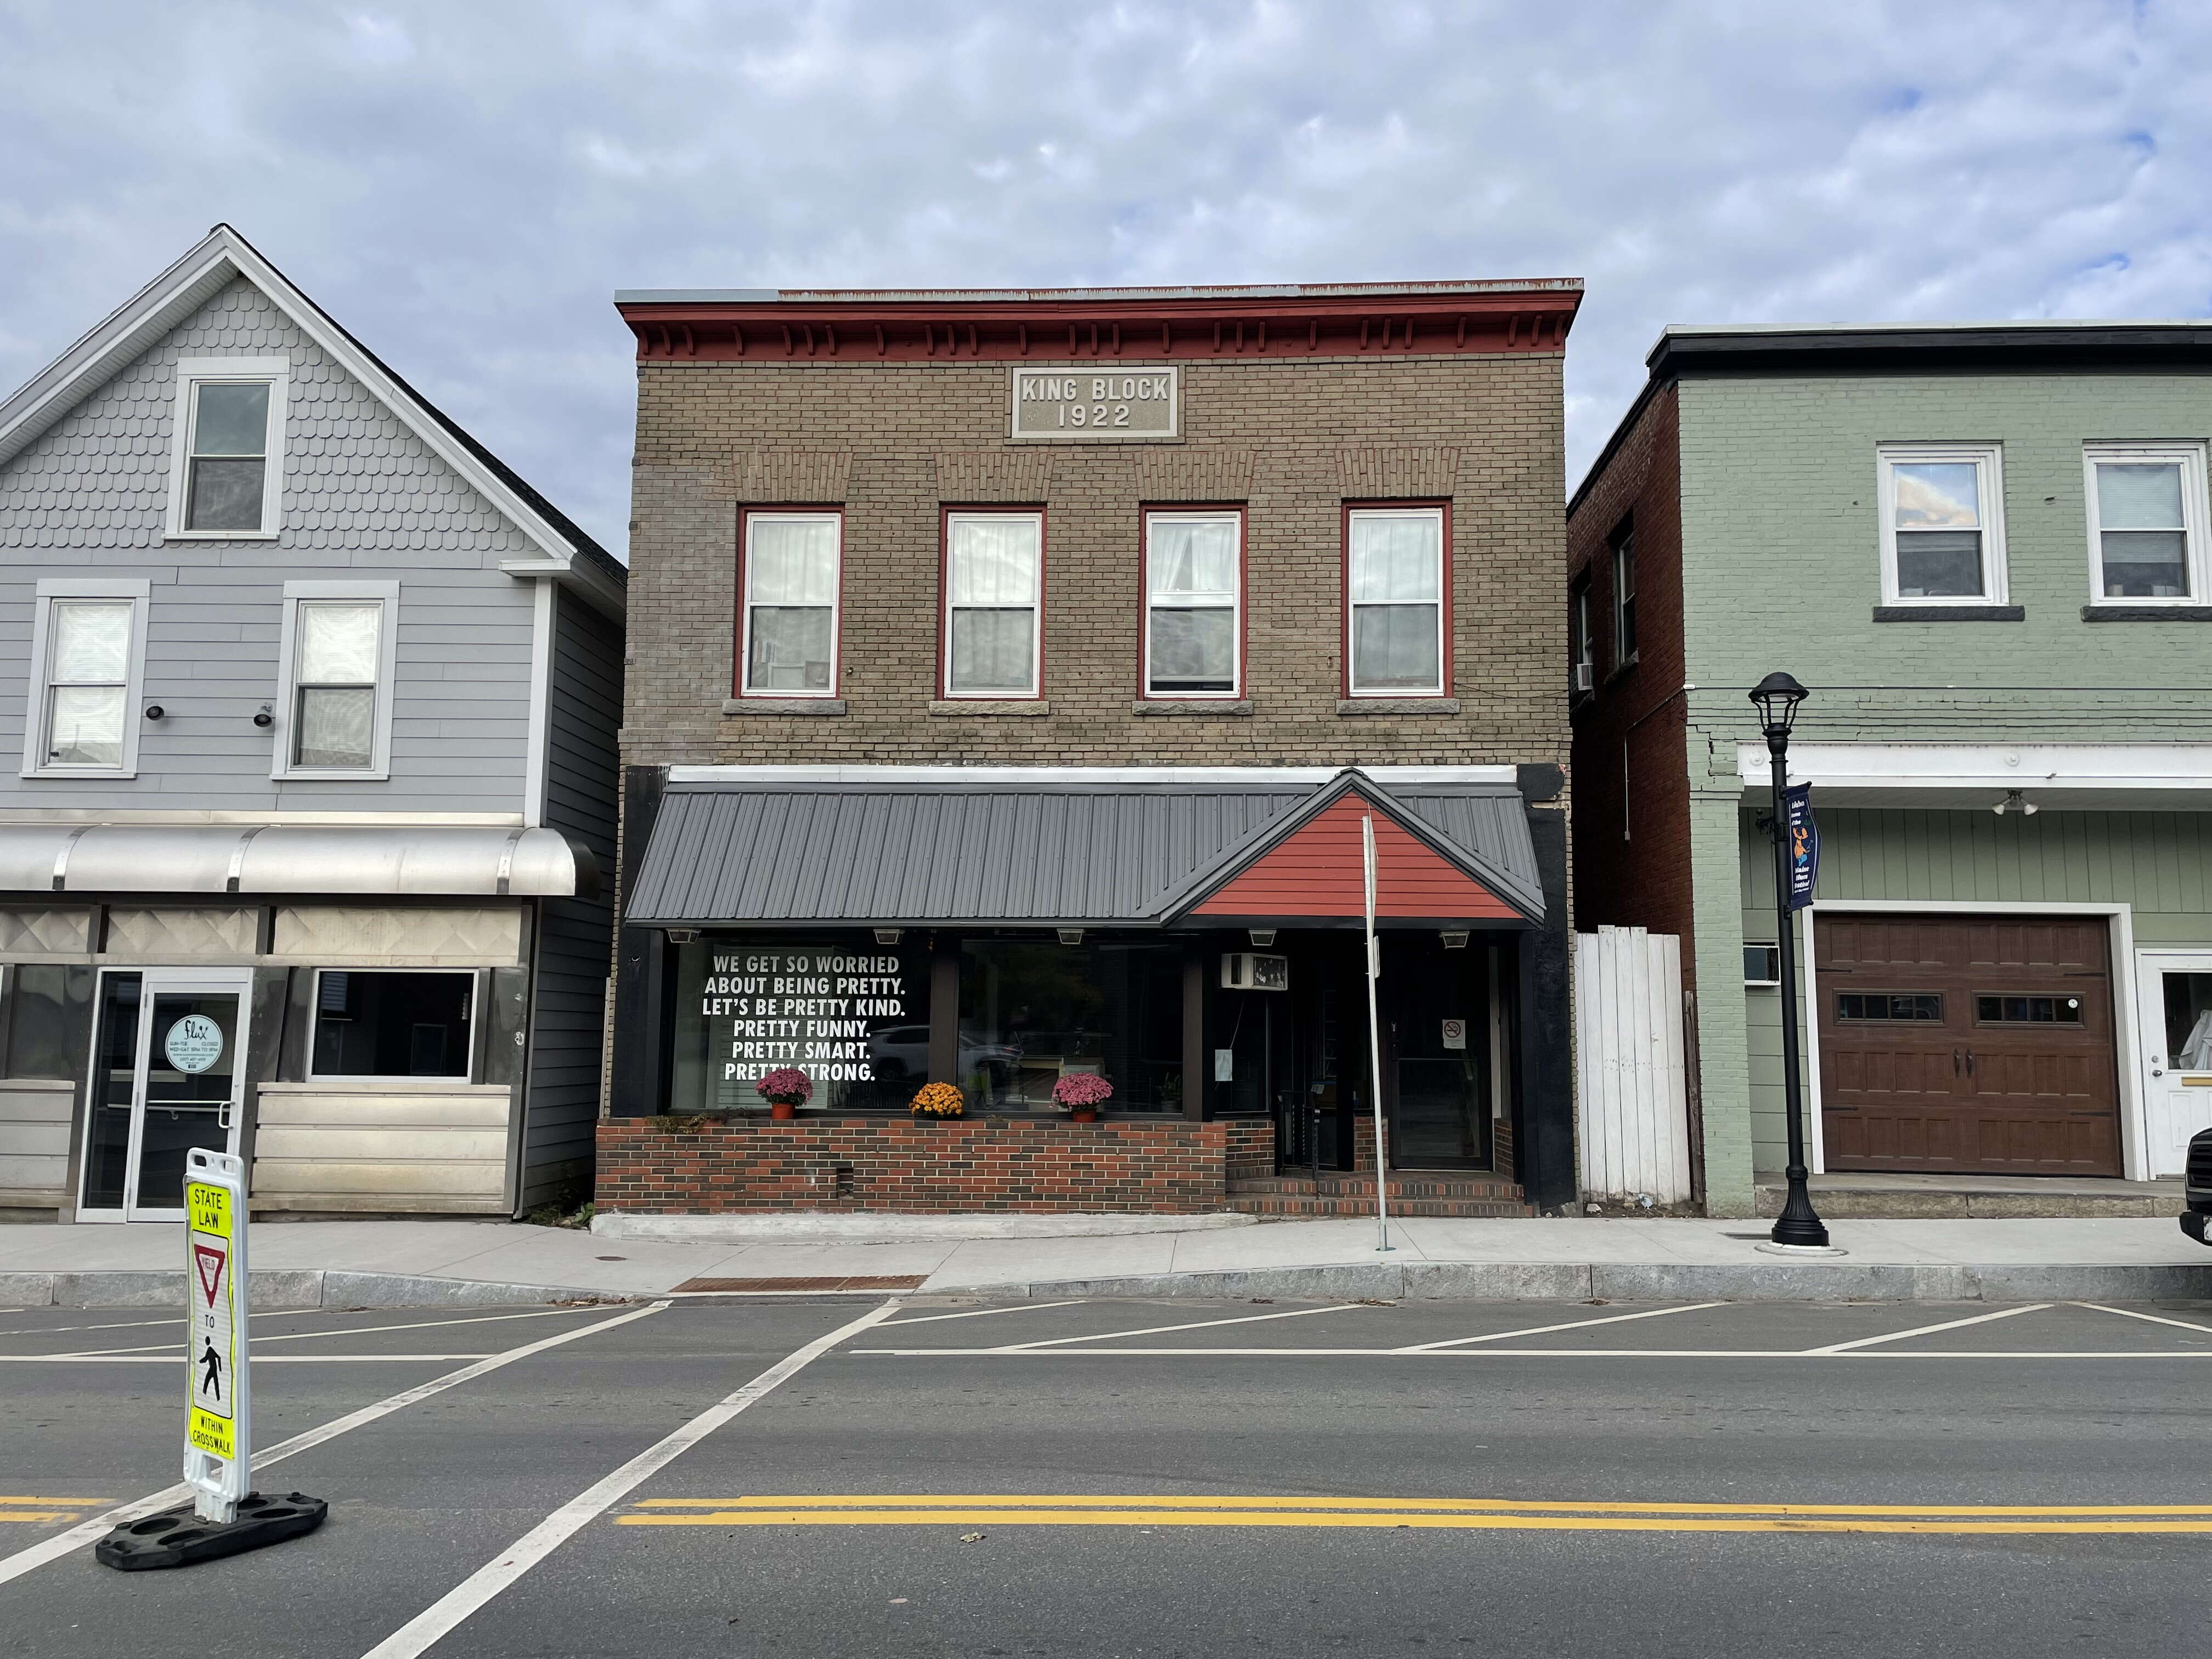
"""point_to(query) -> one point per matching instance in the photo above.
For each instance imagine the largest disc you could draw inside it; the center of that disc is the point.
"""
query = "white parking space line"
(983, 1313)
(1157, 1330)
(1866, 1356)
(63, 1330)
(259, 1313)
(352, 1330)
(2154, 1319)
(52, 1549)
(1929, 1330)
(1545, 1330)
(174, 1355)
(422, 1632)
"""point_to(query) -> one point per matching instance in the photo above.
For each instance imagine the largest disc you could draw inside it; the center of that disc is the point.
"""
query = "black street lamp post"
(1778, 697)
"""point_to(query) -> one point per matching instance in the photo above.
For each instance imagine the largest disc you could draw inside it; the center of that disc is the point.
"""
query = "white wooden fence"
(1628, 1050)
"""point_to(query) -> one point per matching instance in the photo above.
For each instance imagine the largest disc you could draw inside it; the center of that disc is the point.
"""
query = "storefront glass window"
(1033, 1013)
(45, 1028)
(375, 1024)
(851, 1014)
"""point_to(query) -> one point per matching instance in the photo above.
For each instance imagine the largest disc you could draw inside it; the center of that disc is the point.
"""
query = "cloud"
(465, 185)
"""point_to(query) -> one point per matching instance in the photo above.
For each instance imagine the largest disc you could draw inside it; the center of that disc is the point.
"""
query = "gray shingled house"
(314, 702)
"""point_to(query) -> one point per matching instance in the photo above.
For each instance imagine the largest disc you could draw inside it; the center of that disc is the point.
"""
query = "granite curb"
(270, 1288)
(1473, 1281)
(1545, 1281)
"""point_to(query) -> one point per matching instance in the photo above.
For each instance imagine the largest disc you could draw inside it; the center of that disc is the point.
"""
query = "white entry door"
(168, 1075)
(2175, 993)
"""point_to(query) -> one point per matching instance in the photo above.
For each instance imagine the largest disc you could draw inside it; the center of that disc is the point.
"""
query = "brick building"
(1984, 549)
(1011, 677)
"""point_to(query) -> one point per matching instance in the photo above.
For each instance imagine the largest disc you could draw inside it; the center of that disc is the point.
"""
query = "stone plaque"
(1091, 405)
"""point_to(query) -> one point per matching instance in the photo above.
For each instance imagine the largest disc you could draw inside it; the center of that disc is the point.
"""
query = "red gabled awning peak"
(1316, 870)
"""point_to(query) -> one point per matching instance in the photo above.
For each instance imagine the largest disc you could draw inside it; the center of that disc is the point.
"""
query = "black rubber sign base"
(178, 1537)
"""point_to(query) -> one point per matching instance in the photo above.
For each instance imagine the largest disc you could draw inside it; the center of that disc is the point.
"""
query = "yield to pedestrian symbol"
(210, 1265)
(211, 1373)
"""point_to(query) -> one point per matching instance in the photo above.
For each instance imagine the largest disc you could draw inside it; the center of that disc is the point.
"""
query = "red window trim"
(1146, 511)
(945, 512)
(1433, 504)
(742, 642)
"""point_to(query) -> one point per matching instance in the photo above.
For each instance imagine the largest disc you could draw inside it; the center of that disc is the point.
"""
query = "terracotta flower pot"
(1082, 1114)
(782, 1111)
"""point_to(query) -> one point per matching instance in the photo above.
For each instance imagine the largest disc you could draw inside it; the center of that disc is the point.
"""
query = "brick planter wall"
(1168, 1166)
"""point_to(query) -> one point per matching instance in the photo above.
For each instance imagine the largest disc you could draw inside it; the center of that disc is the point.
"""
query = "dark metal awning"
(1012, 847)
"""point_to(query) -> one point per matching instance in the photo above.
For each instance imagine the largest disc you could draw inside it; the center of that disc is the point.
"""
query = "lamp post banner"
(1802, 848)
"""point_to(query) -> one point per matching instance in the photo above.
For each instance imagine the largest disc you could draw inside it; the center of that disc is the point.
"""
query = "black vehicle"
(2196, 1188)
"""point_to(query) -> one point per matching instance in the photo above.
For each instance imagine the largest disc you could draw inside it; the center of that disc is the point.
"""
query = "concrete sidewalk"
(444, 1263)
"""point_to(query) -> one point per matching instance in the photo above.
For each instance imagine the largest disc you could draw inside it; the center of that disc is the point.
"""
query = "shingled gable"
(1307, 863)
(223, 256)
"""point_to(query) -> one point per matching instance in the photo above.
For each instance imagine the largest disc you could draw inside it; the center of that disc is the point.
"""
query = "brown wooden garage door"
(1966, 1043)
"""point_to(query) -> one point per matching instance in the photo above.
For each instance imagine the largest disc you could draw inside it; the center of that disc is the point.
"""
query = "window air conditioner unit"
(1585, 675)
(1254, 970)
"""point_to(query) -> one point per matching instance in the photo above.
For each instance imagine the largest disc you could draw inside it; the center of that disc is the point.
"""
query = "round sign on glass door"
(194, 1044)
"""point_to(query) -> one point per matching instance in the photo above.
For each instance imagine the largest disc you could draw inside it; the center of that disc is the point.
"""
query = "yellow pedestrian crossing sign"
(218, 1452)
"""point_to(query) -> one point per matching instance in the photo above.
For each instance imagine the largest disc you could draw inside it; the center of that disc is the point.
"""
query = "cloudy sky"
(466, 182)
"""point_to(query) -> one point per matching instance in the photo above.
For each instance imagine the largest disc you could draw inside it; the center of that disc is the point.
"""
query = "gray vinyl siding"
(583, 714)
(576, 936)
(560, 1102)
(2159, 864)
(363, 498)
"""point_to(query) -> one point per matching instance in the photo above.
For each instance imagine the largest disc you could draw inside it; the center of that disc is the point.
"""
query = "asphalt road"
(1063, 1480)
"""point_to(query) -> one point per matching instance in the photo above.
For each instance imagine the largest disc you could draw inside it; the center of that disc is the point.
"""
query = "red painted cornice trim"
(1130, 325)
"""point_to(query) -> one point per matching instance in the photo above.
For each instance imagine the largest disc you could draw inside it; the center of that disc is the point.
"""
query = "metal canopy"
(1003, 852)
(293, 859)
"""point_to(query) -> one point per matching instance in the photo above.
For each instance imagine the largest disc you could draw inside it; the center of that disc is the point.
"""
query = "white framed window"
(1193, 604)
(227, 449)
(337, 651)
(793, 567)
(1395, 601)
(380, 1022)
(1624, 595)
(81, 710)
(1583, 675)
(2147, 523)
(993, 605)
(1942, 524)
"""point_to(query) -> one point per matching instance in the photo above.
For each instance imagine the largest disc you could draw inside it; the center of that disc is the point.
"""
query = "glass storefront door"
(168, 1074)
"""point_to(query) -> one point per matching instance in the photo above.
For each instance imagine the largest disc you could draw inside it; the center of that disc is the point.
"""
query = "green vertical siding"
(2160, 864)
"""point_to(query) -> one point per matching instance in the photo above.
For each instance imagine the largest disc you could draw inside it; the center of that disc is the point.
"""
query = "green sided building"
(1985, 548)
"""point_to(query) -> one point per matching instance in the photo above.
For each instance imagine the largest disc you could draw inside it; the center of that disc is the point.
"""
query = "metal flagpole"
(1375, 1037)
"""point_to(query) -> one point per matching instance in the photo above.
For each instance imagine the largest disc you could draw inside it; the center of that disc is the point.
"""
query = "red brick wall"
(1167, 1166)
(1251, 1147)
(1641, 878)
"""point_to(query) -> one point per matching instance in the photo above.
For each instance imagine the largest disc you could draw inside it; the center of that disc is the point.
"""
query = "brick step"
(1352, 1186)
(1413, 1194)
(1451, 1207)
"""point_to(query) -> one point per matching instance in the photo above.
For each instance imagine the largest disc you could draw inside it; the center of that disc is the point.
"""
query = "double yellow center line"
(48, 1509)
(1487, 1514)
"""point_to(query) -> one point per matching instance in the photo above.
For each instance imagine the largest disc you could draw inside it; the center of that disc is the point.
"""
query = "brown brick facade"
(744, 406)
(1169, 1165)
(1632, 810)
(1294, 439)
